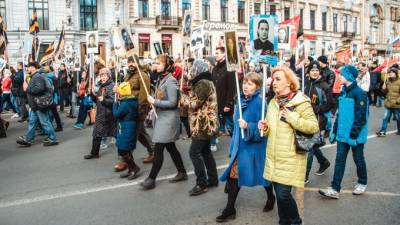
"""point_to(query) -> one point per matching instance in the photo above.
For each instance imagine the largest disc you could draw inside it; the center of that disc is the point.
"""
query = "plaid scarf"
(282, 100)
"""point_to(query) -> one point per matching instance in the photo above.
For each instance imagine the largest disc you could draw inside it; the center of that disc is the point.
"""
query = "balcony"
(348, 35)
(168, 22)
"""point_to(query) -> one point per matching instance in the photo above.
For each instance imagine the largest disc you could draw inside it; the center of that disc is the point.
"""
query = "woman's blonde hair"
(289, 75)
(253, 77)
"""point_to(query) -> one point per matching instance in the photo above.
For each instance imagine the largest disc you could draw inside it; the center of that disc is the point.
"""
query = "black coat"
(225, 86)
(38, 85)
(17, 84)
(328, 75)
(105, 125)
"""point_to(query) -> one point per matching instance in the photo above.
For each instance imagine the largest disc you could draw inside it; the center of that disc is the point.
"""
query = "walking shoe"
(22, 141)
(307, 180)
(322, 168)
(214, 148)
(149, 159)
(90, 156)
(359, 189)
(14, 116)
(78, 126)
(269, 205)
(179, 177)
(50, 143)
(148, 184)
(58, 129)
(226, 216)
(381, 134)
(120, 166)
(329, 192)
(135, 174)
(197, 190)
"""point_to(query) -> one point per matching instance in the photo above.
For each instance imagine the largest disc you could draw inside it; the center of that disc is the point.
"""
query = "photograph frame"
(92, 42)
(232, 51)
(197, 38)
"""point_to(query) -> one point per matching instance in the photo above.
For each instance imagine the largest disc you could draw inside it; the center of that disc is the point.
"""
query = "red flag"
(343, 55)
(294, 22)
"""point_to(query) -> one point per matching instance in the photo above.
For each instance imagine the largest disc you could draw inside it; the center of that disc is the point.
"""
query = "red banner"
(294, 22)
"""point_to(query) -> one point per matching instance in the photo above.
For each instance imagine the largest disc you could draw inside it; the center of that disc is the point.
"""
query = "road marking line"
(377, 193)
(84, 191)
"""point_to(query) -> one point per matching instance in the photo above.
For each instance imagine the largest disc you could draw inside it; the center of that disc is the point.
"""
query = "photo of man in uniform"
(188, 25)
(128, 44)
(283, 35)
(262, 42)
(92, 41)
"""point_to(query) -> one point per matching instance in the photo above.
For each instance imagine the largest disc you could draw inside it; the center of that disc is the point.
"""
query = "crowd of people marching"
(199, 95)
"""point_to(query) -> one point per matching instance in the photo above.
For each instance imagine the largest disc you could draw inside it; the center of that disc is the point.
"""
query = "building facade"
(365, 25)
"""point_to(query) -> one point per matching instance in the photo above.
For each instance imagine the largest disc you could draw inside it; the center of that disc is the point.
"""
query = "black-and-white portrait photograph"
(157, 48)
(92, 42)
(300, 53)
(197, 38)
(232, 55)
(262, 34)
(126, 37)
(187, 24)
(284, 37)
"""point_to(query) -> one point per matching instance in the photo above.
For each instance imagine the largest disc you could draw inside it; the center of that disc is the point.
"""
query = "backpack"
(321, 96)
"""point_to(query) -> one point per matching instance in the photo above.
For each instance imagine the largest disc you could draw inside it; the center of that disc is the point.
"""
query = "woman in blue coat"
(125, 112)
(247, 154)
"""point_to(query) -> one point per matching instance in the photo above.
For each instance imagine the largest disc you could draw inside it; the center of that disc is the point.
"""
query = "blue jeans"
(226, 122)
(6, 99)
(340, 164)
(44, 119)
(387, 116)
(83, 111)
(287, 207)
(320, 157)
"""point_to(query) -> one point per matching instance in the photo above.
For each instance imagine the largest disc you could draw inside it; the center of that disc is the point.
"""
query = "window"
(272, 9)
(301, 19)
(88, 14)
(312, 19)
(355, 49)
(312, 48)
(323, 48)
(42, 49)
(335, 22)
(42, 10)
(286, 13)
(257, 8)
(167, 43)
(186, 5)
(355, 21)
(143, 8)
(393, 16)
(206, 9)
(224, 10)
(241, 15)
(3, 10)
(345, 23)
(144, 45)
(324, 21)
(165, 8)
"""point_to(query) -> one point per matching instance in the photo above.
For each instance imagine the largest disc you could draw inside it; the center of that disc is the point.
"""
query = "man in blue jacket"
(350, 131)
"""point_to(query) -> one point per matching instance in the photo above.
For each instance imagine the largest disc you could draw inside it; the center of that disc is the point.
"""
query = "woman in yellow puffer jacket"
(290, 109)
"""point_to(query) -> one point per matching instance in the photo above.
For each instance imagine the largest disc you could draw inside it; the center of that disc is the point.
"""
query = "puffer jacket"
(392, 100)
(203, 108)
(126, 113)
(283, 165)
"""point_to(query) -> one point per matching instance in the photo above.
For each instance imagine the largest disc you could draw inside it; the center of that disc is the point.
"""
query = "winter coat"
(392, 99)
(167, 123)
(138, 90)
(321, 98)
(105, 124)
(250, 150)
(38, 85)
(224, 82)
(364, 82)
(352, 116)
(203, 108)
(6, 85)
(328, 75)
(283, 164)
(63, 80)
(126, 114)
(17, 84)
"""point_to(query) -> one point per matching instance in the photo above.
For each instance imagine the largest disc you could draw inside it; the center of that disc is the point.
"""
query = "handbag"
(44, 101)
(306, 142)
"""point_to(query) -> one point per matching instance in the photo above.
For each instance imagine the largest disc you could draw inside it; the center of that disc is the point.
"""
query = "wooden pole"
(239, 103)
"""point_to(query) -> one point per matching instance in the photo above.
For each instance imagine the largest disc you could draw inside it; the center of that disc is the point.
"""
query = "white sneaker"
(103, 146)
(15, 116)
(359, 189)
(329, 192)
(214, 148)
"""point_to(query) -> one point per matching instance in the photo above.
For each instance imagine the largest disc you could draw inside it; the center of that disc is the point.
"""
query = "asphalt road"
(54, 185)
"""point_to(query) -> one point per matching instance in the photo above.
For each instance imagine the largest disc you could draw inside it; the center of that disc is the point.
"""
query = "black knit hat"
(313, 65)
(34, 64)
(323, 59)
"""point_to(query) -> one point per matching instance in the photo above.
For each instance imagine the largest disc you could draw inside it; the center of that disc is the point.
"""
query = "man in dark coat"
(224, 82)
(63, 86)
(327, 73)
(38, 86)
(18, 91)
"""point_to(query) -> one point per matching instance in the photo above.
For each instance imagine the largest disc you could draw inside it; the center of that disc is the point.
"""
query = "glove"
(332, 137)
(352, 142)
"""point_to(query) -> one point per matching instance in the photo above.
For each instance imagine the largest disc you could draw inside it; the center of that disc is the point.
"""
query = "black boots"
(270, 204)
(148, 184)
(227, 214)
(94, 153)
(179, 177)
(133, 169)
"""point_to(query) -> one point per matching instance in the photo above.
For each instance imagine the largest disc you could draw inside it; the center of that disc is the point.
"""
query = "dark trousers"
(128, 159)
(2, 128)
(96, 146)
(340, 164)
(55, 115)
(232, 187)
(144, 137)
(21, 104)
(185, 122)
(202, 159)
(287, 207)
(64, 98)
(320, 157)
(159, 158)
